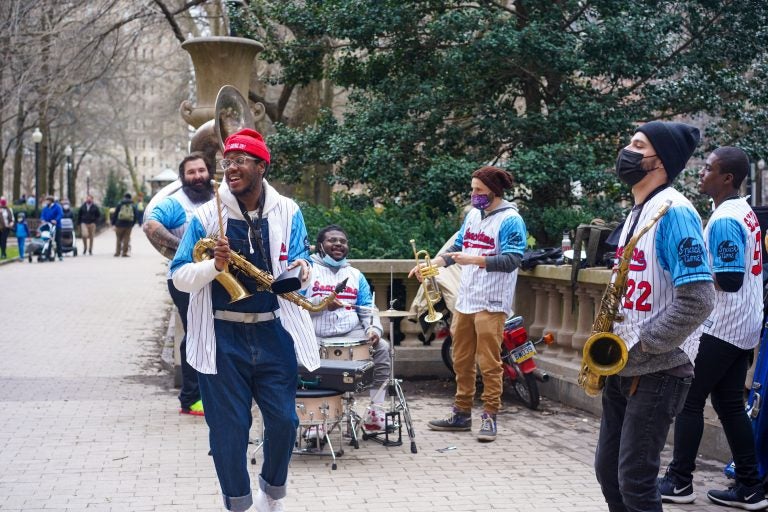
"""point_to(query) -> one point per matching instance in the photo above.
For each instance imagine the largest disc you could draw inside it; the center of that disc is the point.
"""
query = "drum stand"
(398, 405)
(352, 420)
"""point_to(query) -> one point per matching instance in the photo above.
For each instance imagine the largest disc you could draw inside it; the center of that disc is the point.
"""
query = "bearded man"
(165, 226)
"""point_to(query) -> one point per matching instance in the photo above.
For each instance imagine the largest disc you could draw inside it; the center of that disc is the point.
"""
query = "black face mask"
(629, 167)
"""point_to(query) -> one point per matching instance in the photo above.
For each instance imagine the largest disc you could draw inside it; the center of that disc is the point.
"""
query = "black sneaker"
(740, 496)
(487, 431)
(457, 421)
(673, 491)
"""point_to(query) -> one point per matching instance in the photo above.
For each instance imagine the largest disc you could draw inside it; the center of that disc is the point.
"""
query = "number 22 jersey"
(672, 253)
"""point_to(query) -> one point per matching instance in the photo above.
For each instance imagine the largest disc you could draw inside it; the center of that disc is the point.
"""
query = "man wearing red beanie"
(247, 349)
(489, 248)
(669, 294)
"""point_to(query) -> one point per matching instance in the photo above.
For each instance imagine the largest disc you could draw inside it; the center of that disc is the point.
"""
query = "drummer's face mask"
(629, 167)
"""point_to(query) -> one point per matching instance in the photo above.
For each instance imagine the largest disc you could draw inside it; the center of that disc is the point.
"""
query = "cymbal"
(393, 313)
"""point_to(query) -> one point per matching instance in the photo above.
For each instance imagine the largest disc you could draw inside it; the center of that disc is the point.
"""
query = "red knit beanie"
(249, 141)
(495, 179)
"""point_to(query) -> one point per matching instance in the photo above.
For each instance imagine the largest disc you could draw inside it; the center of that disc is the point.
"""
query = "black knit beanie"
(674, 144)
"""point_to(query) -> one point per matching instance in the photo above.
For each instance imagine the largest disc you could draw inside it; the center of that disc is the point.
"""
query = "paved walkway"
(88, 417)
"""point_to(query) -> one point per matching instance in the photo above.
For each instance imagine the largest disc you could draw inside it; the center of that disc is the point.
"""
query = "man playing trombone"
(247, 349)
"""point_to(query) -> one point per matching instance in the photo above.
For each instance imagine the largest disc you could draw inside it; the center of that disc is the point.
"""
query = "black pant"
(4, 232)
(721, 369)
(190, 389)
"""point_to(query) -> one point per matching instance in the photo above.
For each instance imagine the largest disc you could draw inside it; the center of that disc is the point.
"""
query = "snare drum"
(314, 406)
(346, 350)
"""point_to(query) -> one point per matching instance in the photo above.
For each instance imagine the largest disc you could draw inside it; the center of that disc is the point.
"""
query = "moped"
(517, 351)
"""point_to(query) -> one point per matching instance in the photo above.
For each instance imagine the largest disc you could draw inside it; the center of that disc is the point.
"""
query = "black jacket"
(88, 215)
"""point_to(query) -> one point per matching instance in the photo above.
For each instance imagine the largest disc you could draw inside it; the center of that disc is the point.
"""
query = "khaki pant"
(86, 232)
(123, 240)
(477, 342)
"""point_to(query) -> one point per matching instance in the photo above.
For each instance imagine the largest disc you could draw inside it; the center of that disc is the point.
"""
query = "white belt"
(246, 318)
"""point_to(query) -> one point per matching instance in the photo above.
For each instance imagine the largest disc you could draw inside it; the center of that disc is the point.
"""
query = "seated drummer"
(351, 315)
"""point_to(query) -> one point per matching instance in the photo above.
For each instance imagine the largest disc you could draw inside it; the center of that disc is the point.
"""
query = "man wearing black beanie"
(669, 294)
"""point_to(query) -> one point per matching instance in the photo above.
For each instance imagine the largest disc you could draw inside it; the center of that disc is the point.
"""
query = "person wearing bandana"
(489, 247)
(350, 316)
(669, 294)
(249, 349)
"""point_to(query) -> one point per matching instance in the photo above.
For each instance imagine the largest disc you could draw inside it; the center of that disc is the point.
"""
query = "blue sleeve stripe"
(727, 244)
(512, 235)
(186, 247)
(299, 245)
(680, 246)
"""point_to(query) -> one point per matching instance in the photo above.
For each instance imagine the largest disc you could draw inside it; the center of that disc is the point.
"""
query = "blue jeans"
(190, 390)
(721, 369)
(633, 430)
(254, 361)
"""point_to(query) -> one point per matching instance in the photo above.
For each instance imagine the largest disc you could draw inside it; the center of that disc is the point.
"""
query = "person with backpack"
(123, 219)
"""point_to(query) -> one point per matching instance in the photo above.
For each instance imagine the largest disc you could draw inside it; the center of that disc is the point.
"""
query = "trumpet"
(429, 282)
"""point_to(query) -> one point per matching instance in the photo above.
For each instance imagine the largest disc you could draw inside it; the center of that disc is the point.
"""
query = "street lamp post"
(68, 154)
(37, 138)
(88, 182)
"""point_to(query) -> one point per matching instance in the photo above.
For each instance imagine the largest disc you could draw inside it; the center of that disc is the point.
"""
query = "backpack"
(596, 241)
(125, 212)
(545, 256)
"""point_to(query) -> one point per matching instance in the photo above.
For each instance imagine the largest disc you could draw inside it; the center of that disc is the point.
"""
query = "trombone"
(428, 273)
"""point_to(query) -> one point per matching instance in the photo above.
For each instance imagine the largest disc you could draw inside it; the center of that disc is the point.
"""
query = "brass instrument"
(429, 283)
(203, 250)
(604, 352)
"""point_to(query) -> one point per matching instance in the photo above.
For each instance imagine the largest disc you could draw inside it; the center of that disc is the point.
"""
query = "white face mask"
(332, 262)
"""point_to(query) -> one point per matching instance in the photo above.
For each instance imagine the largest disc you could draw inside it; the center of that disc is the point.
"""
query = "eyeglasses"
(340, 241)
(239, 161)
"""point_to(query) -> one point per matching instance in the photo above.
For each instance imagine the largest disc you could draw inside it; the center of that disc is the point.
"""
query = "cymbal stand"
(398, 404)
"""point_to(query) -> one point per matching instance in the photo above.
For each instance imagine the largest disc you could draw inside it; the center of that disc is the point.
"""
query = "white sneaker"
(314, 432)
(266, 503)
(374, 419)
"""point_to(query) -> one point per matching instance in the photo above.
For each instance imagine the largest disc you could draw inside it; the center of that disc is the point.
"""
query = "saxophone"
(604, 352)
(203, 250)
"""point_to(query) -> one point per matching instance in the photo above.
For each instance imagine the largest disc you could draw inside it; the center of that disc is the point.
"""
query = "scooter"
(517, 351)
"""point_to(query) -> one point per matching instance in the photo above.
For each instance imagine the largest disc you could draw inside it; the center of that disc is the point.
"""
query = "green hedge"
(382, 233)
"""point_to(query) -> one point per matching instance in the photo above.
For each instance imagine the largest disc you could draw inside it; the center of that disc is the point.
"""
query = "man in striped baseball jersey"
(247, 349)
(489, 248)
(669, 294)
(351, 315)
(734, 246)
(165, 225)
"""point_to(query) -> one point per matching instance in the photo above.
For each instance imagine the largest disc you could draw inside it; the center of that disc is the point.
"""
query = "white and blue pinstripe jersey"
(174, 213)
(287, 242)
(501, 232)
(357, 293)
(670, 254)
(734, 241)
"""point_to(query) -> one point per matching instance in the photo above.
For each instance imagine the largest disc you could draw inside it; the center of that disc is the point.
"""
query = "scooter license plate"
(523, 352)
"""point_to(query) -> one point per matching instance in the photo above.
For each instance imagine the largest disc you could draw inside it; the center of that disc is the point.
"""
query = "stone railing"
(544, 297)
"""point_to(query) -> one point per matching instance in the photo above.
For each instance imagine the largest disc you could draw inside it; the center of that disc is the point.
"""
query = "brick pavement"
(89, 419)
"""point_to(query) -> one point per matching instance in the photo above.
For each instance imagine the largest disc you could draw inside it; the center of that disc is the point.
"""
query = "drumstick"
(221, 220)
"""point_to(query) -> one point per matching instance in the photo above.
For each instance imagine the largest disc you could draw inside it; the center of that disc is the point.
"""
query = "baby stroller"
(68, 238)
(42, 245)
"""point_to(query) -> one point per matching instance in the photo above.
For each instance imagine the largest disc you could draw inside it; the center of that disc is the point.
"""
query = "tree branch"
(171, 21)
